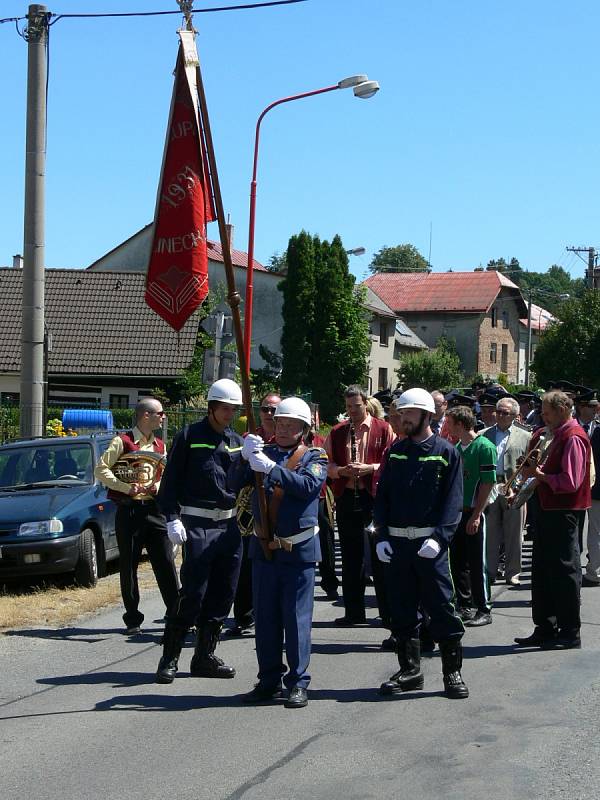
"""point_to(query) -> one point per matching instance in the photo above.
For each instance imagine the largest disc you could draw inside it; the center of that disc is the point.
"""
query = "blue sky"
(486, 126)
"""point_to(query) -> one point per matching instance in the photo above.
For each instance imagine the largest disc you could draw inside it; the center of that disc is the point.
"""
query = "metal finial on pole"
(186, 7)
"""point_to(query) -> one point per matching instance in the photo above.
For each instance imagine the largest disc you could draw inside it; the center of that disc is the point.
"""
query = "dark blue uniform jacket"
(197, 467)
(300, 504)
(421, 485)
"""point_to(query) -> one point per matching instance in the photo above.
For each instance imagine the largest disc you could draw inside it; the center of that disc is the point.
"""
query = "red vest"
(581, 498)
(377, 441)
(130, 446)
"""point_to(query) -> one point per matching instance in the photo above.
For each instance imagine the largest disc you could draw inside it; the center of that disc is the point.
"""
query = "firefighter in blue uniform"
(417, 509)
(283, 587)
(200, 512)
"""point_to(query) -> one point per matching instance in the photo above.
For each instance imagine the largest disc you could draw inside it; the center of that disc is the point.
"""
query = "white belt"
(209, 513)
(411, 533)
(298, 538)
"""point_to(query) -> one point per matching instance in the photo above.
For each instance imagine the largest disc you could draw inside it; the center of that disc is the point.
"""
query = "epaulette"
(322, 452)
(523, 426)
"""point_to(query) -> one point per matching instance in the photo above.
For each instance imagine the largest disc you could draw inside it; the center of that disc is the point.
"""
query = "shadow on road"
(89, 635)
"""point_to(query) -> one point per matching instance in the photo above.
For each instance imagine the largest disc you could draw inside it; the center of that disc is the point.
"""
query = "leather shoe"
(391, 643)
(466, 613)
(514, 581)
(563, 643)
(298, 698)
(333, 595)
(239, 630)
(133, 630)
(262, 694)
(536, 639)
(588, 582)
(348, 622)
(480, 618)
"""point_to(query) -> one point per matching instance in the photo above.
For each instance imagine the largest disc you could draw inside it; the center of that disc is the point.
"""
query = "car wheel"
(86, 570)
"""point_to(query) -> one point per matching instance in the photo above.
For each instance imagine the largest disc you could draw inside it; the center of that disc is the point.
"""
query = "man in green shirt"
(468, 547)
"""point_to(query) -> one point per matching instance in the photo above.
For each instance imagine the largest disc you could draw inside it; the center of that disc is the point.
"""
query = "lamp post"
(363, 88)
(356, 251)
(529, 293)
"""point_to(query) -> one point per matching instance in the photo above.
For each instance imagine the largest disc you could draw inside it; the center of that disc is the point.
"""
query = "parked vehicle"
(55, 517)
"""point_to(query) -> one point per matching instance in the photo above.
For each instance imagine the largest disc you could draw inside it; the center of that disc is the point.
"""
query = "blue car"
(55, 517)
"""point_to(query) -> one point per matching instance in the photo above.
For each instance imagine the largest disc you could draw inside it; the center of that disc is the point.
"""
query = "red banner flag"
(177, 278)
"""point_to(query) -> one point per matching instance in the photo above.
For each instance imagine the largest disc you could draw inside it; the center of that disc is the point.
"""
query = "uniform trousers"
(592, 570)
(556, 573)
(413, 581)
(141, 525)
(210, 570)
(329, 580)
(242, 604)
(283, 606)
(504, 527)
(353, 515)
(468, 566)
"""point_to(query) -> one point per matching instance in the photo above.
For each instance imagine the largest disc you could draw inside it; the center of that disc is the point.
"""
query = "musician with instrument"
(505, 522)
(199, 505)
(133, 482)
(355, 448)
(283, 577)
(564, 493)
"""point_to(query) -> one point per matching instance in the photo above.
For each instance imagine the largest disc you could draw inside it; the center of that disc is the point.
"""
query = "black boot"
(409, 676)
(173, 639)
(205, 664)
(451, 651)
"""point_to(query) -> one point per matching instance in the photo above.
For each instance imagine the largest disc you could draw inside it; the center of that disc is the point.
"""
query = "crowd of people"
(430, 493)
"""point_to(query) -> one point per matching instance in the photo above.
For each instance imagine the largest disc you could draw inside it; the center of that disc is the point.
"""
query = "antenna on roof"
(430, 237)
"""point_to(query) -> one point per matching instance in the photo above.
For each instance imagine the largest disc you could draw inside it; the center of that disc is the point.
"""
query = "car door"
(109, 508)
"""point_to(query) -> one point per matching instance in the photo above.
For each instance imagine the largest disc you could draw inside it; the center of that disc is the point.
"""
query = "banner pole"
(233, 298)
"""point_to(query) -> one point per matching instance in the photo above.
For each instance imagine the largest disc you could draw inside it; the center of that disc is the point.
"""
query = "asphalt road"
(81, 717)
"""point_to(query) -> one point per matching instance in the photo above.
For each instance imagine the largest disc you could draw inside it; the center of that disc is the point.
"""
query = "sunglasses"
(501, 413)
(268, 409)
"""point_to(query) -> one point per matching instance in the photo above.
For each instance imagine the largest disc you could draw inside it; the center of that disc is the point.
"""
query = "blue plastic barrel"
(88, 418)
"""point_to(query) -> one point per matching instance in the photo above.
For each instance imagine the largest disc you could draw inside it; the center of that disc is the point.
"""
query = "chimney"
(17, 262)
(229, 229)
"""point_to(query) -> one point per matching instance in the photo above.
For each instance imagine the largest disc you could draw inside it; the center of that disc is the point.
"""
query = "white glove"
(252, 444)
(429, 549)
(384, 551)
(176, 531)
(261, 463)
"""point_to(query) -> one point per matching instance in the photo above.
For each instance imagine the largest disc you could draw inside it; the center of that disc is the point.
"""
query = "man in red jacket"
(355, 448)
(564, 494)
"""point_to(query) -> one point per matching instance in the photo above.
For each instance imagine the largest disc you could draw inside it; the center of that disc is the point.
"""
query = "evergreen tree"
(298, 289)
(340, 343)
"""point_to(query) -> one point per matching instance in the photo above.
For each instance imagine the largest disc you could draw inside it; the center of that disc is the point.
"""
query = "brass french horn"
(141, 467)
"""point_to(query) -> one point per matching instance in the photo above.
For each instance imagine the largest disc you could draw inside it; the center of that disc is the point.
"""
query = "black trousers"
(140, 526)
(556, 572)
(353, 515)
(468, 567)
(243, 610)
(329, 580)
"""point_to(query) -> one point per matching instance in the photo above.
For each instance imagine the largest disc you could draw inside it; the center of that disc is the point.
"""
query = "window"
(493, 353)
(383, 334)
(382, 382)
(505, 320)
(118, 401)
(504, 359)
(494, 317)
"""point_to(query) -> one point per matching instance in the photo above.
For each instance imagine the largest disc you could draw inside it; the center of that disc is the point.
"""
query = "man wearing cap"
(283, 570)
(592, 570)
(504, 523)
(563, 490)
(586, 408)
(417, 508)
(355, 448)
(200, 509)
(487, 409)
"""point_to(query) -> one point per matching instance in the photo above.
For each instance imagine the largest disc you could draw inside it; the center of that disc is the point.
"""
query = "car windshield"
(45, 462)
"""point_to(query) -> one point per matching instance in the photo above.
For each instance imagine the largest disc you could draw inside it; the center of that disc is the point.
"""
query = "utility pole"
(32, 326)
(590, 275)
(528, 352)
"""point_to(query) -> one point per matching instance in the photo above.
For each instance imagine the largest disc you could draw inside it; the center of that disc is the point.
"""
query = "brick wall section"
(500, 335)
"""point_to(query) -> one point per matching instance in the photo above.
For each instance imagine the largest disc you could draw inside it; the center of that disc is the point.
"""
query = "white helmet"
(295, 408)
(415, 398)
(225, 391)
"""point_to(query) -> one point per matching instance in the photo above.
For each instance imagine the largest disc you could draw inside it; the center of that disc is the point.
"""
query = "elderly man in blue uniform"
(417, 509)
(284, 585)
(200, 511)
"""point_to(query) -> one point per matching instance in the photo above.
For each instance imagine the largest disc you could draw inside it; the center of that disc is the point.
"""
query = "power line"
(55, 17)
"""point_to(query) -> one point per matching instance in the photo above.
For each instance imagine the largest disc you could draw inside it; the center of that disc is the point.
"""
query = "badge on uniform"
(316, 470)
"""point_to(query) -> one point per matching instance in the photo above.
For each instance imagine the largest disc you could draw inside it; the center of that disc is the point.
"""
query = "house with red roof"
(482, 311)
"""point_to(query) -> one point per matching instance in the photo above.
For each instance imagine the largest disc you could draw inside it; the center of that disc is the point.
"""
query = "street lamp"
(363, 88)
(356, 251)
(529, 292)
